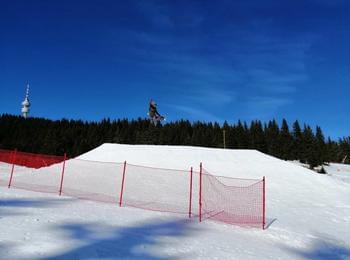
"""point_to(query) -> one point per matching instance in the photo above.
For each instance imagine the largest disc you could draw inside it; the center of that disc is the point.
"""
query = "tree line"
(74, 137)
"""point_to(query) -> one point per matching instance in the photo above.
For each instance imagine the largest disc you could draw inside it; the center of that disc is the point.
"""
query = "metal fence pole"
(200, 192)
(122, 188)
(62, 174)
(190, 206)
(13, 166)
(264, 204)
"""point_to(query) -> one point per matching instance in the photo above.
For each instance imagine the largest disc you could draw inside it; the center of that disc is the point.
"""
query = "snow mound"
(290, 188)
(249, 163)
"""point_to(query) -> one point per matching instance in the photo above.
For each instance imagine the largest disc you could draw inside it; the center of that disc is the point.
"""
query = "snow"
(340, 172)
(308, 214)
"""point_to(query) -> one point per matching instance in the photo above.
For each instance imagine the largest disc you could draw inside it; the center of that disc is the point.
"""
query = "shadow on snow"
(135, 242)
(13, 207)
(323, 247)
(269, 222)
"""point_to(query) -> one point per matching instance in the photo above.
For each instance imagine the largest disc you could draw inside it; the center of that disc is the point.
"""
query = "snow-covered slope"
(338, 171)
(290, 188)
(308, 214)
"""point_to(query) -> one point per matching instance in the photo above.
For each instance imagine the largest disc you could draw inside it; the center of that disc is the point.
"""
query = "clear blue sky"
(200, 60)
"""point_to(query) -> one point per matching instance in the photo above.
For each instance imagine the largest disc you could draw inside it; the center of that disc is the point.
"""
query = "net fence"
(92, 180)
(29, 171)
(199, 194)
(232, 200)
(29, 160)
(157, 189)
(5, 166)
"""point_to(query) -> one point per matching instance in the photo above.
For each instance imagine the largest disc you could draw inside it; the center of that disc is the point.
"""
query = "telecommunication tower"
(26, 104)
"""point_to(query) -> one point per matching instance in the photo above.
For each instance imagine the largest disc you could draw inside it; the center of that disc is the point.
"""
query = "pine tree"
(257, 137)
(229, 135)
(241, 133)
(272, 137)
(310, 147)
(285, 141)
(297, 145)
(321, 149)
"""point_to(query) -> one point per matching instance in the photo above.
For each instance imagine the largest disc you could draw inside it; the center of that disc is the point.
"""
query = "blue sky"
(200, 60)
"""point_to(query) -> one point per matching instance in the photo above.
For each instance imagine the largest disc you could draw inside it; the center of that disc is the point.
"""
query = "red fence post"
(62, 174)
(13, 166)
(122, 188)
(264, 220)
(190, 206)
(200, 192)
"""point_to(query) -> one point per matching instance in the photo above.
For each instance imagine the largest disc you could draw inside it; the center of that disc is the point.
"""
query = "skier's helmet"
(153, 103)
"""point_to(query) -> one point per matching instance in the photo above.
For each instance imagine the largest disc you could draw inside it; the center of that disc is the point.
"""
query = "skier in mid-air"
(153, 113)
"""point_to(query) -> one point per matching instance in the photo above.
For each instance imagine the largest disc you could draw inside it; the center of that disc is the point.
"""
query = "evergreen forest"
(75, 137)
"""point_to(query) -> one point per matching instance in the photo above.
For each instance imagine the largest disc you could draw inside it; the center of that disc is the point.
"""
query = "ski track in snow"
(308, 214)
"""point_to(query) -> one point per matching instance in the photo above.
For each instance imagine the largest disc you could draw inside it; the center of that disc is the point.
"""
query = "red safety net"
(36, 161)
(157, 189)
(44, 179)
(5, 166)
(29, 160)
(6, 156)
(31, 171)
(229, 200)
(233, 201)
(97, 181)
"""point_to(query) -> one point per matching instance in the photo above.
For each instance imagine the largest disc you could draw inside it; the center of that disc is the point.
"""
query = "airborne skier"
(153, 113)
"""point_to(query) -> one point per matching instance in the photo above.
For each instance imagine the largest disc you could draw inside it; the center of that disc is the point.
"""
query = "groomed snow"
(308, 214)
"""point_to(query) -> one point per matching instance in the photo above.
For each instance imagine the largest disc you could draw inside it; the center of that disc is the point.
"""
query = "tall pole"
(200, 192)
(224, 139)
(190, 206)
(62, 173)
(122, 188)
(264, 205)
(13, 166)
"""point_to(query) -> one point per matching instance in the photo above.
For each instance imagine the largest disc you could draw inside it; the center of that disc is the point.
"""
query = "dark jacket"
(153, 111)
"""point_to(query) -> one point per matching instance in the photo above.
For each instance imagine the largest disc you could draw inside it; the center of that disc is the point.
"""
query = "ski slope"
(308, 214)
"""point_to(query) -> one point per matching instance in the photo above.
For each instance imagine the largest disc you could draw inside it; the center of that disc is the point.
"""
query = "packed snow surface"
(308, 214)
